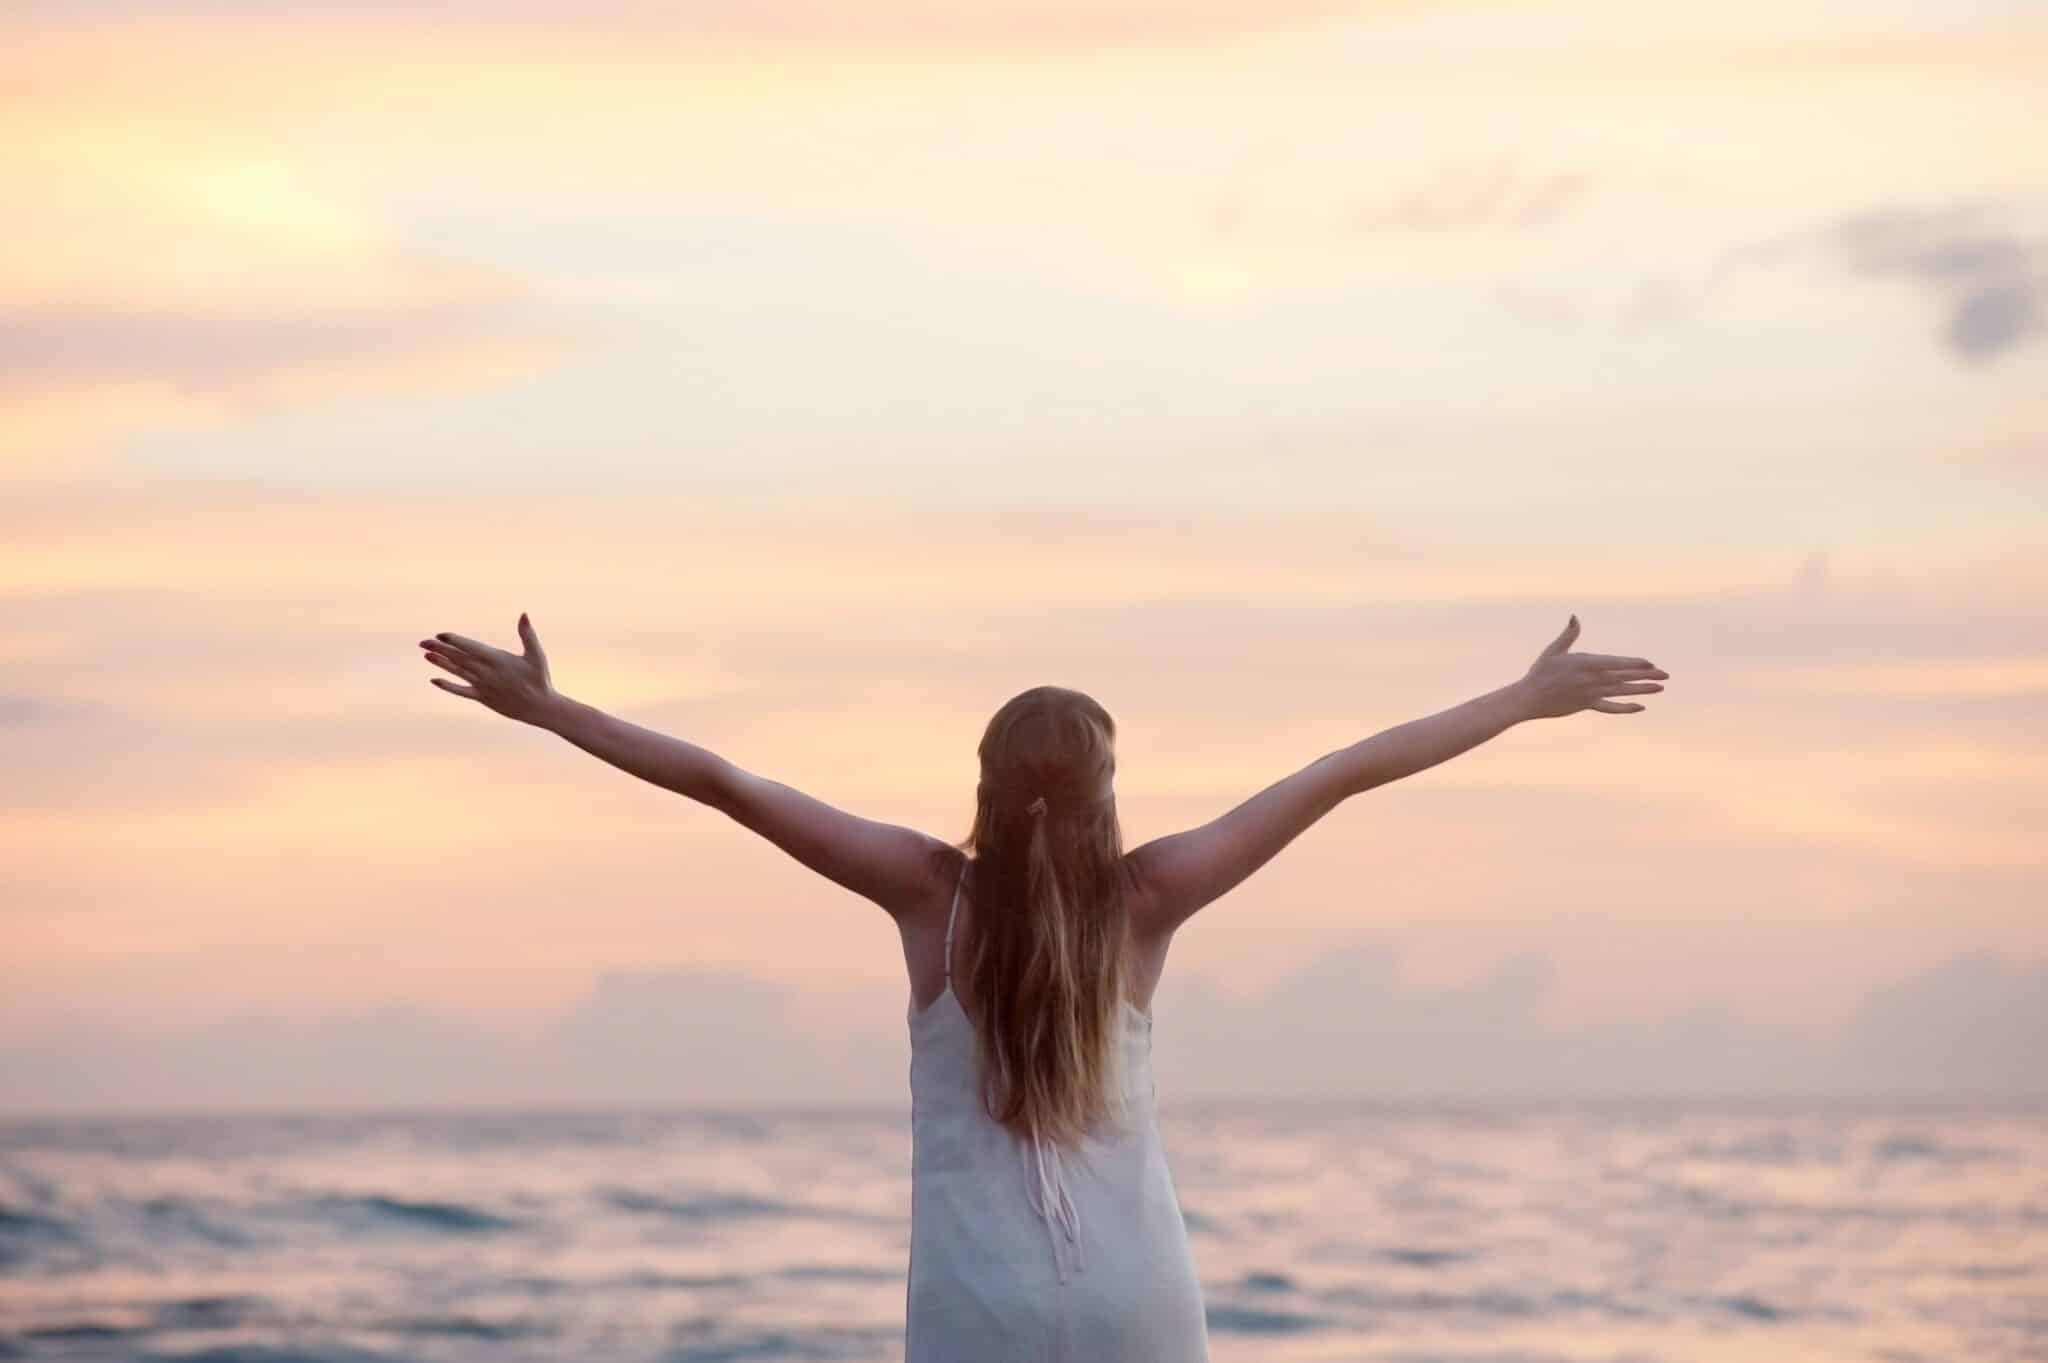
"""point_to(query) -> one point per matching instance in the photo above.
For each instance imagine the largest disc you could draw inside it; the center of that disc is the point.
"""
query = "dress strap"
(949, 921)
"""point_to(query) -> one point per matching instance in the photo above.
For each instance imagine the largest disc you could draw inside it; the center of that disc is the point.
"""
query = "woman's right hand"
(1560, 683)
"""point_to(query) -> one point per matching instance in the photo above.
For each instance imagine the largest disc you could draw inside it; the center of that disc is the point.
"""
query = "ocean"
(1509, 1232)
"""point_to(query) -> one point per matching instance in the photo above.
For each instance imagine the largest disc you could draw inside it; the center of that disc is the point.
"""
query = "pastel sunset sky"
(818, 376)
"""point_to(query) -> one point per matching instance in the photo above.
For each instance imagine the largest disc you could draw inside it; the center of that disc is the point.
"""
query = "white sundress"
(1021, 1252)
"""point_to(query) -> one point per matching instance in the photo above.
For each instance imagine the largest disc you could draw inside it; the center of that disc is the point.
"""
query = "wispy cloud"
(2009, 676)
(251, 356)
(1492, 193)
(161, 281)
(1981, 264)
(1061, 22)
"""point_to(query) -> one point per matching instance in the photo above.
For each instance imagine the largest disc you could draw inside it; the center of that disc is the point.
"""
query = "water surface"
(1526, 1232)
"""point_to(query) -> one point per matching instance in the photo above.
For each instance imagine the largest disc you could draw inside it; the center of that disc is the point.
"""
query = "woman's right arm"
(1179, 874)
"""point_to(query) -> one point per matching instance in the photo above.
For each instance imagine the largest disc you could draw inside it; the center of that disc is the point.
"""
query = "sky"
(818, 377)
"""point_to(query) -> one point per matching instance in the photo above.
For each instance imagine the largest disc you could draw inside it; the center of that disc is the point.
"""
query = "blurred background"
(818, 377)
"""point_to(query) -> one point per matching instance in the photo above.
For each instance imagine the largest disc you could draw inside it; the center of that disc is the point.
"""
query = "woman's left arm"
(893, 866)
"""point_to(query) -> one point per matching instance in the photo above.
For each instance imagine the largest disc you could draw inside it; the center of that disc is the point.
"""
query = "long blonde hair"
(1048, 964)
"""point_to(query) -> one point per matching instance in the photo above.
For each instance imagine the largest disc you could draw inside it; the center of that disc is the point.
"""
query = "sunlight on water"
(1491, 1232)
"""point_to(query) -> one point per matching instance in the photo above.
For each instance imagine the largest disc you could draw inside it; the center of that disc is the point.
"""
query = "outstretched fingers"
(462, 666)
(462, 643)
(456, 687)
(1615, 684)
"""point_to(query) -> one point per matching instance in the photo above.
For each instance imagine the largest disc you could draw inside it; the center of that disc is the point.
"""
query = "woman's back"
(1022, 1252)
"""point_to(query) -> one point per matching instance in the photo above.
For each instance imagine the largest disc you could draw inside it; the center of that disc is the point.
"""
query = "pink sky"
(817, 386)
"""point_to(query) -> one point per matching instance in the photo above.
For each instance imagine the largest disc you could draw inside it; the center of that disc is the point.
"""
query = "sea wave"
(687, 1238)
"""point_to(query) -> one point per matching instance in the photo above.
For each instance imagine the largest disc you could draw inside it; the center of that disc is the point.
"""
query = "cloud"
(1469, 195)
(2010, 676)
(1346, 1022)
(638, 1036)
(1989, 275)
(244, 353)
(1344, 1025)
(1971, 1023)
(26, 710)
(1047, 21)
(75, 379)
(1984, 265)
(73, 383)
(160, 281)
(1981, 264)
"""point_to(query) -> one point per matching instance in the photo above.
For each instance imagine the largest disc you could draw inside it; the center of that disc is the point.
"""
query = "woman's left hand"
(516, 685)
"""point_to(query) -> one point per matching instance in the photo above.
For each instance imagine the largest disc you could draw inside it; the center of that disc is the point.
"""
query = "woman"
(1044, 1224)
